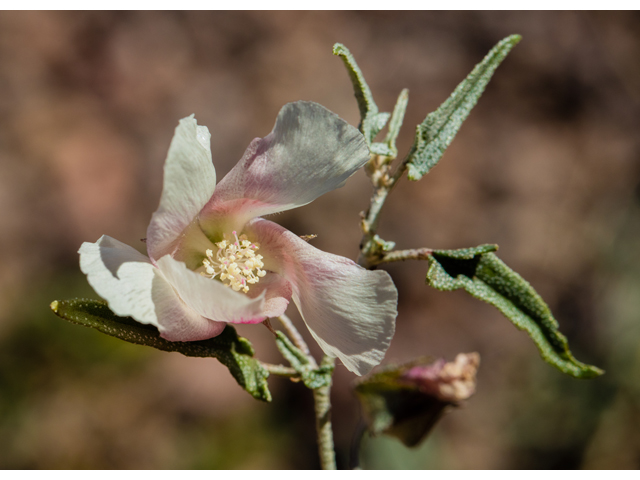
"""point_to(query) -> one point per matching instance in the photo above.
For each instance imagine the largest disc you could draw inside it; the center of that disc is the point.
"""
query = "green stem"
(280, 370)
(402, 255)
(369, 224)
(322, 402)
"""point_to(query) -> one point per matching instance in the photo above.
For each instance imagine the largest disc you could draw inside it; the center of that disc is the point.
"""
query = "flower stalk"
(322, 403)
(280, 370)
(403, 255)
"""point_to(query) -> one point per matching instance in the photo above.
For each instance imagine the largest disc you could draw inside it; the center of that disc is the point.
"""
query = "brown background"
(547, 166)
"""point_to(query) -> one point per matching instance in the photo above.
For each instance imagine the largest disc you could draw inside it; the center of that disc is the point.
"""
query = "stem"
(402, 255)
(383, 184)
(322, 402)
(279, 370)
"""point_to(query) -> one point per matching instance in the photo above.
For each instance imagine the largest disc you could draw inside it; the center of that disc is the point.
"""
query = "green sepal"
(312, 377)
(484, 276)
(438, 130)
(398, 408)
(380, 246)
(233, 351)
(371, 119)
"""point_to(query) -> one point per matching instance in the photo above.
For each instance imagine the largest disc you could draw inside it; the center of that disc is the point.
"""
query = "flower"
(213, 260)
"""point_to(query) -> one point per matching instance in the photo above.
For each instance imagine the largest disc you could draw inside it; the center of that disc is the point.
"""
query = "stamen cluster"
(236, 263)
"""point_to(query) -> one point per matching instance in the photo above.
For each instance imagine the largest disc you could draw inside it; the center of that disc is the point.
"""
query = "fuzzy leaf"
(397, 117)
(484, 276)
(235, 352)
(371, 119)
(378, 148)
(438, 130)
(312, 377)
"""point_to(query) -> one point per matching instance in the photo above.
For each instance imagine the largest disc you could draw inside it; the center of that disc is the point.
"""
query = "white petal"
(310, 152)
(133, 287)
(189, 182)
(350, 311)
(210, 298)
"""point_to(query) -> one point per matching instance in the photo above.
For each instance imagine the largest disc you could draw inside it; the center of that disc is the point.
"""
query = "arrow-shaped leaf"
(235, 352)
(483, 275)
(438, 130)
(372, 120)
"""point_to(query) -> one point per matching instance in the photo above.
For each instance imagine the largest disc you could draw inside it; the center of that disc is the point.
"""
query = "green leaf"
(378, 148)
(484, 276)
(438, 130)
(312, 377)
(371, 119)
(397, 117)
(235, 352)
(396, 407)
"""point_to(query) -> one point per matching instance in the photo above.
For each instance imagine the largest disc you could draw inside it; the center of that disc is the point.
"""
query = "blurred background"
(547, 166)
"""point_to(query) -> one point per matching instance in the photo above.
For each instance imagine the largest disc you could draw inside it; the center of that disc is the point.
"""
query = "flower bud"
(450, 382)
(406, 401)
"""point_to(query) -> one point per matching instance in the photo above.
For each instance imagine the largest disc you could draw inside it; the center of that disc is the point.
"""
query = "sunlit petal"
(189, 182)
(350, 311)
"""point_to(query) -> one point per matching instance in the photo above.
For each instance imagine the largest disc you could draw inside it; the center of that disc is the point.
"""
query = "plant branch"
(402, 255)
(280, 370)
(370, 246)
(322, 403)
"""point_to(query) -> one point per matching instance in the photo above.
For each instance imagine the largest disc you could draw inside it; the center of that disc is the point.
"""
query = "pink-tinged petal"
(210, 298)
(309, 152)
(350, 311)
(178, 322)
(133, 287)
(189, 182)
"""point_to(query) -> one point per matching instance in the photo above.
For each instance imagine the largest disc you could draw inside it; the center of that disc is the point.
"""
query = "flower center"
(236, 263)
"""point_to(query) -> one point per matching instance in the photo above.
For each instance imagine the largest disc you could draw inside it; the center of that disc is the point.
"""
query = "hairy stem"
(383, 184)
(322, 402)
(279, 370)
(402, 255)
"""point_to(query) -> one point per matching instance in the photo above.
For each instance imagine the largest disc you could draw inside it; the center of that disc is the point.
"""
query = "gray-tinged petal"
(309, 152)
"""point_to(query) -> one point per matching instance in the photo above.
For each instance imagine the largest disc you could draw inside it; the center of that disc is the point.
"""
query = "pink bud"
(448, 381)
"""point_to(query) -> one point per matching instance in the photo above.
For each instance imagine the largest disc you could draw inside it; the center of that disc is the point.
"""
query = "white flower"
(213, 260)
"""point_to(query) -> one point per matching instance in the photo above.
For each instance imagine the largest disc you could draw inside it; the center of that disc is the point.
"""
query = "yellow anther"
(235, 264)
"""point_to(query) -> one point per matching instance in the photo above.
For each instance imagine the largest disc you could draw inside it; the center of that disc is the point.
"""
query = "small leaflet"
(312, 377)
(372, 120)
